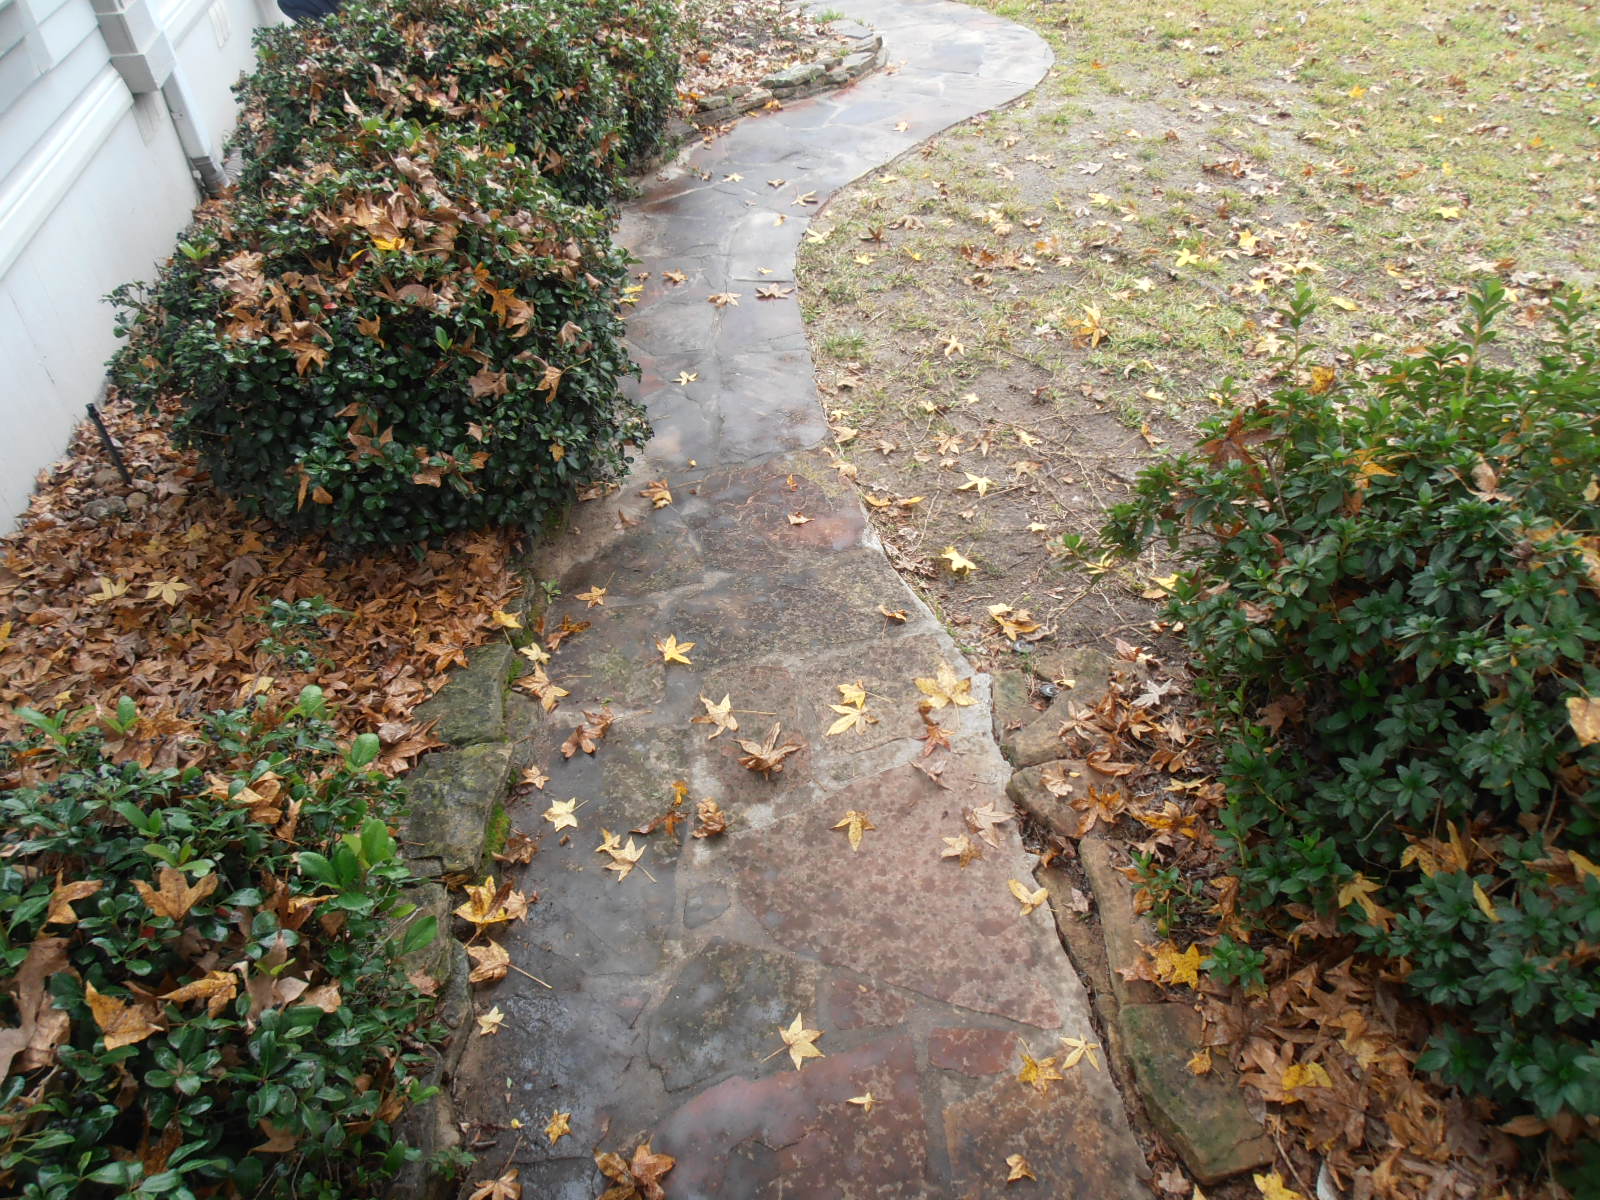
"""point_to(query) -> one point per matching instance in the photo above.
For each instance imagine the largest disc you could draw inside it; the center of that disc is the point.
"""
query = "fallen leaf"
(766, 756)
(558, 1127)
(719, 714)
(796, 518)
(1173, 967)
(961, 848)
(216, 988)
(648, 1167)
(588, 735)
(1012, 621)
(64, 894)
(983, 822)
(946, 687)
(672, 650)
(1272, 1187)
(489, 1023)
(595, 596)
(960, 564)
(1584, 714)
(506, 620)
(534, 777)
(897, 615)
(122, 1024)
(505, 1187)
(709, 819)
(175, 897)
(856, 823)
(1039, 1072)
(168, 590)
(1029, 900)
(800, 1041)
(657, 493)
(773, 292)
(543, 689)
(1018, 1168)
(866, 1101)
(1077, 1050)
(562, 813)
(486, 905)
(490, 962)
(979, 483)
(624, 859)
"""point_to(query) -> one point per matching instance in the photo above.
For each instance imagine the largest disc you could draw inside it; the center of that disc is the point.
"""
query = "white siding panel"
(51, 97)
(62, 31)
(116, 223)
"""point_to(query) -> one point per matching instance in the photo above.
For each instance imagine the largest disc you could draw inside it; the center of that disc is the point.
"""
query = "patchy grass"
(1065, 284)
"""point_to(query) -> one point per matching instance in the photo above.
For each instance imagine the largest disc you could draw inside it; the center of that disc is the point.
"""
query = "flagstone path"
(669, 987)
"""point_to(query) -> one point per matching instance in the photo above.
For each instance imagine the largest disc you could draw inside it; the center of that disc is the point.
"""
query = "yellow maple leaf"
(719, 714)
(855, 824)
(1484, 903)
(866, 1101)
(168, 590)
(558, 1127)
(1038, 1071)
(800, 1041)
(562, 814)
(960, 564)
(594, 596)
(946, 687)
(1029, 900)
(1012, 621)
(1272, 1187)
(1309, 1074)
(674, 651)
(122, 1024)
(978, 483)
(1173, 967)
(506, 620)
(1018, 1167)
(489, 1023)
(1584, 714)
(1079, 1049)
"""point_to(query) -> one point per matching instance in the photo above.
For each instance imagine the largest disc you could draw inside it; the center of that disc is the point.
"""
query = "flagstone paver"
(668, 988)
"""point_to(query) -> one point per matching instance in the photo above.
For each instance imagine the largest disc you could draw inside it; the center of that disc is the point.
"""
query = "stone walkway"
(668, 988)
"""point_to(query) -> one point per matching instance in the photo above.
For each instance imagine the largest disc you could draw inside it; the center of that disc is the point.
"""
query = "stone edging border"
(1149, 1039)
(453, 796)
(857, 52)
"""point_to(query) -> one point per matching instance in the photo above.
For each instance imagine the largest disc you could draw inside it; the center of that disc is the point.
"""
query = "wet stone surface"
(667, 989)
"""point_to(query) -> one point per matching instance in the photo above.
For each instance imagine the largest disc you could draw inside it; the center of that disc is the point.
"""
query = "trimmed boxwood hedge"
(410, 337)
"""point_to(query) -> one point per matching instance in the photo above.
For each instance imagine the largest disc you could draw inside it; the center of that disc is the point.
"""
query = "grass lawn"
(1041, 297)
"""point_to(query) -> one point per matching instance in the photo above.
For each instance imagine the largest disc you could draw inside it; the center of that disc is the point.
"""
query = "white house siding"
(95, 186)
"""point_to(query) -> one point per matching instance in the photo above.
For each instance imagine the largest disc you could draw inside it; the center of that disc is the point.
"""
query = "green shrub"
(1393, 592)
(205, 960)
(580, 88)
(410, 337)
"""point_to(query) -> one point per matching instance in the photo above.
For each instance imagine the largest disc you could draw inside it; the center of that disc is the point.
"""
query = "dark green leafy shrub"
(206, 992)
(412, 336)
(1393, 595)
(579, 88)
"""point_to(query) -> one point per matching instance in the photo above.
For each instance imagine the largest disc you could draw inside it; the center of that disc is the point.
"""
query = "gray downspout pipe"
(143, 54)
(192, 135)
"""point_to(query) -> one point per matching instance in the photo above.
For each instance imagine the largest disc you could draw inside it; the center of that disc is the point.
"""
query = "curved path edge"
(667, 988)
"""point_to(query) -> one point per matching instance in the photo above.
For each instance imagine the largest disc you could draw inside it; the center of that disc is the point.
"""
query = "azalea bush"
(409, 337)
(1392, 595)
(206, 993)
(582, 89)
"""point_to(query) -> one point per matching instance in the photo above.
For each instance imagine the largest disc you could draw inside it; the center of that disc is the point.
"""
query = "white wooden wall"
(94, 189)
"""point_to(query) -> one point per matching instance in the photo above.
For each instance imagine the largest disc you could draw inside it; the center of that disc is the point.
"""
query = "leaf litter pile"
(156, 591)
